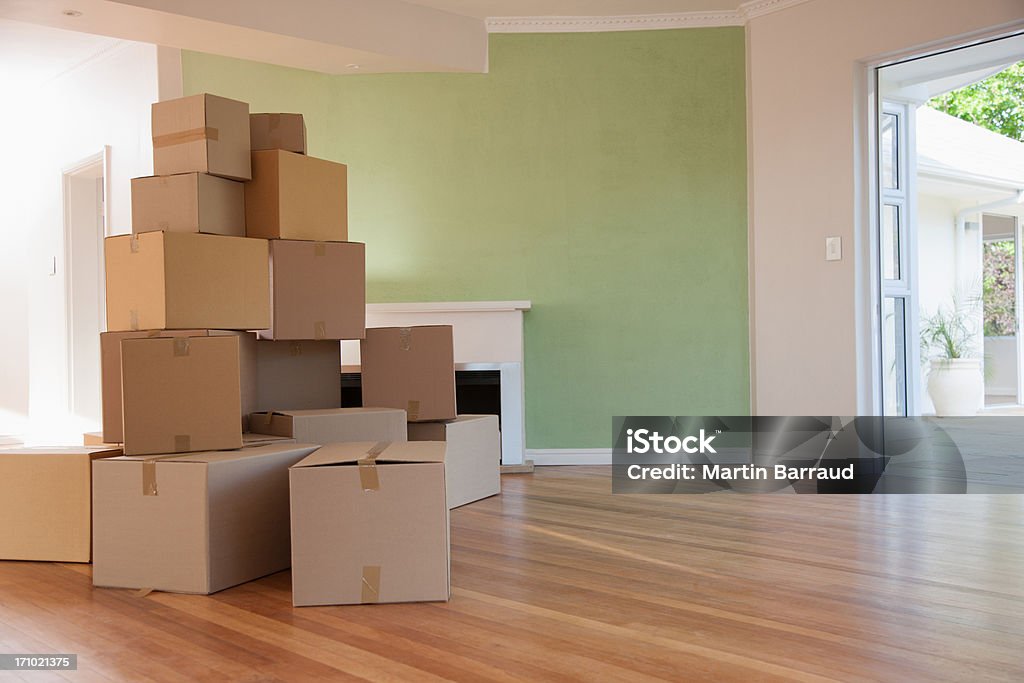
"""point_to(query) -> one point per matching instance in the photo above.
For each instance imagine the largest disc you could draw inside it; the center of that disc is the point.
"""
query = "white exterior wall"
(103, 102)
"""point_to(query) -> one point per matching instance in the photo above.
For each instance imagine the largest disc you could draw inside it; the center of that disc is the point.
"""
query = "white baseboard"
(569, 456)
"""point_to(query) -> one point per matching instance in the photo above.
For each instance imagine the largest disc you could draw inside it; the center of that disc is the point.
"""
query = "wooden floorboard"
(557, 579)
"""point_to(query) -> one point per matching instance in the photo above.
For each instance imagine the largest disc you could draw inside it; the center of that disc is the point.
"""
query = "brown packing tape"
(274, 121)
(182, 443)
(295, 348)
(319, 249)
(133, 244)
(182, 346)
(370, 592)
(149, 478)
(319, 330)
(183, 136)
(368, 478)
(405, 338)
(412, 410)
(133, 319)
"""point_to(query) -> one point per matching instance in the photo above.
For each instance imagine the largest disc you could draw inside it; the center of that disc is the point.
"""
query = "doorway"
(84, 229)
(939, 173)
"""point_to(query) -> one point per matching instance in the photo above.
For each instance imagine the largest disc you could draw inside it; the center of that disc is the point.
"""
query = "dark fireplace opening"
(477, 392)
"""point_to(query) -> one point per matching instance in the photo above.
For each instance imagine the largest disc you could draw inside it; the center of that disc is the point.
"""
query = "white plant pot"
(955, 386)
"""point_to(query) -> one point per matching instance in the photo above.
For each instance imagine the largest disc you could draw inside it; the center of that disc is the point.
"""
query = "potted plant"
(955, 383)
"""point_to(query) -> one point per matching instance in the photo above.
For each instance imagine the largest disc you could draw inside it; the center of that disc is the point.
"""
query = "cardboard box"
(472, 465)
(96, 439)
(110, 373)
(318, 290)
(183, 281)
(331, 426)
(412, 368)
(370, 524)
(190, 202)
(46, 504)
(203, 133)
(277, 131)
(297, 374)
(296, 197)
(181, 394)
(197, 523)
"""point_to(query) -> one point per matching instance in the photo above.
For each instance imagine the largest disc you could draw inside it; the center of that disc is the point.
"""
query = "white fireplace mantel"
(487, 335)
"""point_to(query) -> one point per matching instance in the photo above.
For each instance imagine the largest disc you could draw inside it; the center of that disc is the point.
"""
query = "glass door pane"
(894, 355)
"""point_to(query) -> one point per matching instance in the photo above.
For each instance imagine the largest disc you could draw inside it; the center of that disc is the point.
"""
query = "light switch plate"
(833, 248)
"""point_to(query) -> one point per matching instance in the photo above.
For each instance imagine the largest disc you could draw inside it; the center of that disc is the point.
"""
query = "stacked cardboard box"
(225, 307)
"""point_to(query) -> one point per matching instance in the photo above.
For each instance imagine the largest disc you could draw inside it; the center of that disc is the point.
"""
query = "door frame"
(100, 159)
(867, 205)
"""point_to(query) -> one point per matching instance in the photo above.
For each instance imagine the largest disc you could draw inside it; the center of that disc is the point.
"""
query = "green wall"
(601, 176)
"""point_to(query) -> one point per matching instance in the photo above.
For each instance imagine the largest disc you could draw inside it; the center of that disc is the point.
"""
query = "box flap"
(325, 412)
(91, 451)
(380, 452)
(208, 457)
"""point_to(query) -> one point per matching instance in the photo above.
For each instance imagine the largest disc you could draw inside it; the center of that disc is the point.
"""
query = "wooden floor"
(557, 579)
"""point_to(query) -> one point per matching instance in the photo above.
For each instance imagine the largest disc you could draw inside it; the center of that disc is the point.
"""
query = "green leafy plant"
(998, 288)
(947, 334)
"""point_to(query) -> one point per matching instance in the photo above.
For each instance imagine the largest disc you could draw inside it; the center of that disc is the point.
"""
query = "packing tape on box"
(149, 487)
(319, 249)
(182, 346)
(133, 319)
(183, 136)
(370, 592)
(412, 410)
(295, 349)
(368, 479)
(133, 244)
(182, 443)
(319, 330)
(405, 338)
(273, 121)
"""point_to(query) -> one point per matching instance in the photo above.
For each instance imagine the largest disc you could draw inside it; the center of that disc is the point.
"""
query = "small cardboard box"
(332, 426)
(197, 523)
(318, 290)
(370, 524)
(189, 202)
(203, 133)
(181, 394)
(110, 373)
(277, 131)
(412, 368)
(472, 465)
(45, 502)
(296, 197)
(297, 374)
(183, 281)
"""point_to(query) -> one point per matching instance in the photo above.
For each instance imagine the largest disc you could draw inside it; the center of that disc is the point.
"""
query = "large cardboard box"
(370, 524)
(318, 290)
(297, 374)
(189, 202)
(203, 133)
(110, 373)
(181, 394)
(197, 523)
(412, 368)
(277, 131)
(472, 465)
(176, 280)
(45, 502)
(296, 197)
(331, 426)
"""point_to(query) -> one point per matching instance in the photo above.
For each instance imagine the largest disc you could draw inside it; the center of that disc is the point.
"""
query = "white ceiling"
(574, 8)
(33, 54)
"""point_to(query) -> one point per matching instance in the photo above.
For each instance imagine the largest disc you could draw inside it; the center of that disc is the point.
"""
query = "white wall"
(103, 102)
(806, 86)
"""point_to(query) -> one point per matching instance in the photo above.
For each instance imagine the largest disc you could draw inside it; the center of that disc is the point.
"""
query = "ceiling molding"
(638, 22)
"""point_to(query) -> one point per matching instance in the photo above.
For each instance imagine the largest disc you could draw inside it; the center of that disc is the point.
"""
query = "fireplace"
(488, 339)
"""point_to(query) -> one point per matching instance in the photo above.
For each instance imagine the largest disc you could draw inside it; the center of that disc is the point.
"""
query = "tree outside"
(998, 263)
(996, 103)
